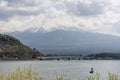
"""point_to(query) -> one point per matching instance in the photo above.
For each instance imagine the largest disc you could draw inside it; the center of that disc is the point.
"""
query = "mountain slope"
(82, 41)
(12, 48)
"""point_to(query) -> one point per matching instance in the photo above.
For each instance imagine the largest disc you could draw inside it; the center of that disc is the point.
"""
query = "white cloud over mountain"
(101, 16)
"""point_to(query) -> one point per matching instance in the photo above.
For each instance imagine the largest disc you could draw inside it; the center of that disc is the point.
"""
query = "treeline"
(105, 56)
(97, 56)
(8, 39)
(108, 56)
(64, 55)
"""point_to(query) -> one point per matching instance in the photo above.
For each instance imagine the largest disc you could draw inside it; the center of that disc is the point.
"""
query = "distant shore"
(99, 56)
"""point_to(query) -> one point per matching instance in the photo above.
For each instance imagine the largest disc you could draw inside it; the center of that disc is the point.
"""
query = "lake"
(76, 69)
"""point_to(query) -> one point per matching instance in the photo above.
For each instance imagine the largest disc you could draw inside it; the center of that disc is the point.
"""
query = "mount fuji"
(69, 41)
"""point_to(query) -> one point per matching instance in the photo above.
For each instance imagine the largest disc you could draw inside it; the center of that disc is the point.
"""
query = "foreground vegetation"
(27, 74)
(30, 74)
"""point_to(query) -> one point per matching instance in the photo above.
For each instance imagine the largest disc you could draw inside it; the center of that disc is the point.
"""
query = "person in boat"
(91, 71)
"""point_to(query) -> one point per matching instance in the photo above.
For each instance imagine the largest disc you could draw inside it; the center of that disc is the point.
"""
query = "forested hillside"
(12, 48)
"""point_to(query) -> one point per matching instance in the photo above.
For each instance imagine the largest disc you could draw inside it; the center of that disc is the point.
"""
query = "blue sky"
(99, 16)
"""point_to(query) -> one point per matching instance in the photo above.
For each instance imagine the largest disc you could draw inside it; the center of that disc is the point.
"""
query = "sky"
(98, 16)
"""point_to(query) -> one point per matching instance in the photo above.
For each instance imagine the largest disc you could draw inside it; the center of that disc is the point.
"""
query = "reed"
(111, 76)
(61, 78)
(22, 74)
(94, 77)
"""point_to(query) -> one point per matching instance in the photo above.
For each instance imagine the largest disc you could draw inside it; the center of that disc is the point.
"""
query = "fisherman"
(91, 71)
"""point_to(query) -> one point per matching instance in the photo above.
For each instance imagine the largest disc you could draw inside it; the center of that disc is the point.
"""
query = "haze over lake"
(76, 70)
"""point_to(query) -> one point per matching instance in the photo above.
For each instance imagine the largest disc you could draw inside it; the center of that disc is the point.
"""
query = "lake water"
(76, 70)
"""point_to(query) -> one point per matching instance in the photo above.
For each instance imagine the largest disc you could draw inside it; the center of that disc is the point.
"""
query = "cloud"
(11, 8)
(95, 8)
(100, 16)
(86, 7)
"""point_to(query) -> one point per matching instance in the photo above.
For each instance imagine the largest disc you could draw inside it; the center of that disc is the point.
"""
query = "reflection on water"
(73, 69)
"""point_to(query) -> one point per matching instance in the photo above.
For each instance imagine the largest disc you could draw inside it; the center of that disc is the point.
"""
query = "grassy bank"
(30, 74)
